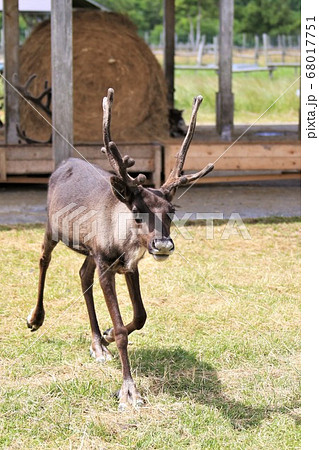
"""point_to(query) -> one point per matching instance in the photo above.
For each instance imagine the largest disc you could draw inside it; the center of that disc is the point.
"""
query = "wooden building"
(258, 153)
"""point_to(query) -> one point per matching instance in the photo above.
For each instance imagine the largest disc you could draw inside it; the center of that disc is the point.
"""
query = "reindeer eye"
(137, 218)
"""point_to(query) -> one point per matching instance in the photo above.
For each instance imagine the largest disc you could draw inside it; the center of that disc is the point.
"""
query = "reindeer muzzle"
(161, 249)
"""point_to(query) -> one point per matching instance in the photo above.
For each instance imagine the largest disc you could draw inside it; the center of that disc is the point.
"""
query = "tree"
(267, 16)
(251, 16)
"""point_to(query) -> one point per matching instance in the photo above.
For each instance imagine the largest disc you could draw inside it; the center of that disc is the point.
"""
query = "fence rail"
(266, 53)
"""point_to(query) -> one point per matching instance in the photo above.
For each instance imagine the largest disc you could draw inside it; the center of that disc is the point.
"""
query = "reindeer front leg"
(36, 317)
(128, 393)
(139, 313)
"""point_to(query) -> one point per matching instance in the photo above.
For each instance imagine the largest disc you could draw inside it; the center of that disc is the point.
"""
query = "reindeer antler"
(24, 90)
(43, 101)
(119, 164)
(175, 178)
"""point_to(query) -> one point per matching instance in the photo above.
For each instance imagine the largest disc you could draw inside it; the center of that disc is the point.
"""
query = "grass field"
(253, 94)
(217, 362)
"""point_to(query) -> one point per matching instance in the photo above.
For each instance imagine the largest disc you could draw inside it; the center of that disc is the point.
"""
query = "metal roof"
(37, 6)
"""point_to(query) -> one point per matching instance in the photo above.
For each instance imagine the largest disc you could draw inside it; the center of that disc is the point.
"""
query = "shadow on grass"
(180, 374)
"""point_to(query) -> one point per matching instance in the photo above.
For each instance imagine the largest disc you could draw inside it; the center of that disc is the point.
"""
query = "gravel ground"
(27, 204)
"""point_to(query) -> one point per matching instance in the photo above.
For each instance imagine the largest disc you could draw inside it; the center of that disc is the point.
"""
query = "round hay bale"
(107, 52)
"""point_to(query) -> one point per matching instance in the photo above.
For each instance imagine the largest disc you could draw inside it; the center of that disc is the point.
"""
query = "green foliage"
(251, 16)
(146, 14)
(267, 16)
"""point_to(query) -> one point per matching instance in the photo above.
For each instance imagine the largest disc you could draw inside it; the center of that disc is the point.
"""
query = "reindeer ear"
(121, 190)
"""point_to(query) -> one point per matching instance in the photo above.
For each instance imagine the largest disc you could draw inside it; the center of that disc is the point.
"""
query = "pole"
(62, 79)
(225, 97)
(11, 66)
(169, 49)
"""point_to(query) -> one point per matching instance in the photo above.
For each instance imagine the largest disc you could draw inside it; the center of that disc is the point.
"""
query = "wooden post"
(283, 44)
(11, 66)
(169, 49)
(215, 43)
(279, 42)
(62, 79)
(244, 41)
(290, 42)
(265, 45)
(3, 164)
(200, 52)
(225, 97)
(256, 49)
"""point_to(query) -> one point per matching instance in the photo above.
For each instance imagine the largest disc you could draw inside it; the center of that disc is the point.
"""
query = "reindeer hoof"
(128, 395)
(123, 407)
(35, 322)
(103, 354)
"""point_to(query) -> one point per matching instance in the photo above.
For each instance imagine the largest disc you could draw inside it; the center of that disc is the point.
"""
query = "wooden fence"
(260, 53)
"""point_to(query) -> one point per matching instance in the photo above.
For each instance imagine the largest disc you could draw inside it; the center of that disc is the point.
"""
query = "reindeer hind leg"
(98, 349)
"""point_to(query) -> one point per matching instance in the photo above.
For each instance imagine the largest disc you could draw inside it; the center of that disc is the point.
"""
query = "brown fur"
(112, 220)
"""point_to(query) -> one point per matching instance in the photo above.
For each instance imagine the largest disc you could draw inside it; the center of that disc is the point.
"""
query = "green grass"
(253, 94)
(217, 362)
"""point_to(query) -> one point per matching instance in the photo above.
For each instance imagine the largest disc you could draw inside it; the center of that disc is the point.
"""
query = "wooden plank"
(62, 79)
(157, 173)
(141, 165)
(224, 96)
(239, 150)
(169, 48)
(29, 167)
(21, 159)
(11, 66)
(27, 180)
(38, 151)
(240, 157)
(272, 163)
(3, 165)
(28, 153)
(138, 151)
(255, 177)
(94, 152)
(22, 167)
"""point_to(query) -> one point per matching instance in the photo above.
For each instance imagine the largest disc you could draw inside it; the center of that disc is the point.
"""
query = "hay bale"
(107, 52)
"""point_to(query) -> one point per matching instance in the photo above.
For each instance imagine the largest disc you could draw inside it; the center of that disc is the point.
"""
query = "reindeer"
(78, 183)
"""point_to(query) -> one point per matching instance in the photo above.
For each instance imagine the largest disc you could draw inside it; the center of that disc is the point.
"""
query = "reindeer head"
(151, 209)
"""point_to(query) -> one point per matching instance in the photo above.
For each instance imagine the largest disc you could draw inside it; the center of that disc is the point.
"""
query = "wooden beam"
(215, 178)
(225, 97)
(242, 157)
(169, 49)
(25, 167)
(37, 159)
(11, 66)
(62, 79)
(157, 167)
(3, 165)
(27, 180)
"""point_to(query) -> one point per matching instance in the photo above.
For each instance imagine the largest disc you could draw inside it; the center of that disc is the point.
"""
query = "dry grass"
(218, 359)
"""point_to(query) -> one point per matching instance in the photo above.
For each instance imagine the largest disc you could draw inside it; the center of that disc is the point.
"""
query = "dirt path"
(27, 204)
